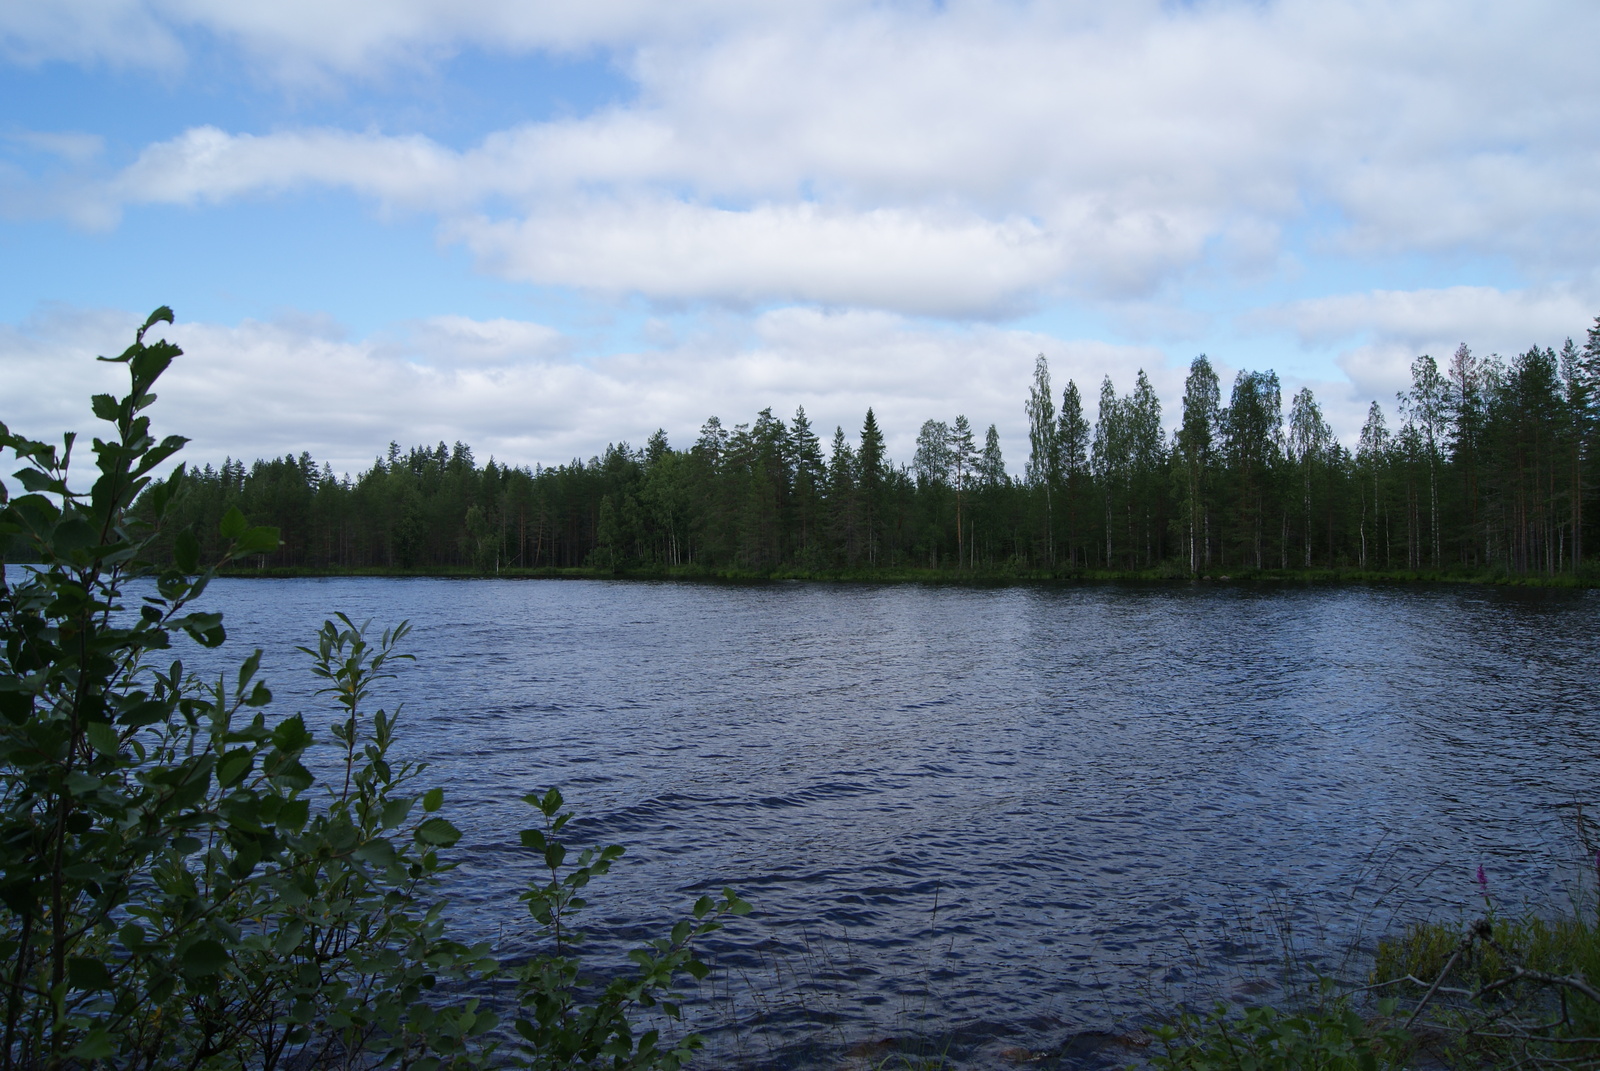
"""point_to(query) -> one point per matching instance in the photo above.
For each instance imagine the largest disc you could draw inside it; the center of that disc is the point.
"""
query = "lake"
(973, 818)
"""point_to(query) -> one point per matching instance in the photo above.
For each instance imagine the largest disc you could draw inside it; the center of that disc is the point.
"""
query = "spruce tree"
(843, 498)
(871, 469)
(809, 482)
(1072, 447)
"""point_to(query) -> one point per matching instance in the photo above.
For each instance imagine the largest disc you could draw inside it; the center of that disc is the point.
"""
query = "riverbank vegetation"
(1485, 468)
(188, 879)
(1498, 992)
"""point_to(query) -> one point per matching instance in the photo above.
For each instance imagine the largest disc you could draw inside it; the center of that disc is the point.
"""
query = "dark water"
(972, 819)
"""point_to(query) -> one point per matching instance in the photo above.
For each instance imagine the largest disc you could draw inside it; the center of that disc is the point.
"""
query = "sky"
(540, 228)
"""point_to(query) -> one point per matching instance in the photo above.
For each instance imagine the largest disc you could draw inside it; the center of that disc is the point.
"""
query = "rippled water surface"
(1015, 816)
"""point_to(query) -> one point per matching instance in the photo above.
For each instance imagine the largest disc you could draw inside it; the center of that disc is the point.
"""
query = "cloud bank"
(506, 387)
(975, 159)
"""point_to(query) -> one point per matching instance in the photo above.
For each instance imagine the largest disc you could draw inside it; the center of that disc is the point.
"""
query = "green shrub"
(1503, 990)
(1332, 1037)
(177, 888)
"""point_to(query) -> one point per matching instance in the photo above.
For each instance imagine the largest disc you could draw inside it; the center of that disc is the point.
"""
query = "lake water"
(972, 819)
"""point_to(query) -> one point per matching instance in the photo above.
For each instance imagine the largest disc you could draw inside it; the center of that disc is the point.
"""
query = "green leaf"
(98, 1044)
(395, 812)
(378, 851)
(249, 667)
(146, 713)
(86, 973)
(232, 767)
(233, 524)
(186, 551)
(294, 814)
(432, 800)
(290, 735)
(162, 315)
(257, 541)
(133, 936)
(203, 958)
(102, 737)
(438, 831)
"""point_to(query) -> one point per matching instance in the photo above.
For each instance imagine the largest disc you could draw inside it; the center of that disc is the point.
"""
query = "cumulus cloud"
(919, 262)
(258, 389)
(976, 157)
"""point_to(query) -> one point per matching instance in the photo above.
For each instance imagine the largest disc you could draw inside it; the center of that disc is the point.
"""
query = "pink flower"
(1483, 880)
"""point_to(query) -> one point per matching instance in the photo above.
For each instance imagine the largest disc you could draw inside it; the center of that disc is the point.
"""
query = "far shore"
(983, 577)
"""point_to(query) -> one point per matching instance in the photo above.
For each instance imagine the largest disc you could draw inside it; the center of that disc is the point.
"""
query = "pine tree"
(963, 453)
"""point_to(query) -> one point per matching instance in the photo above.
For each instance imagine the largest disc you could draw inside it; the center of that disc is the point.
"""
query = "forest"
(1482, 466)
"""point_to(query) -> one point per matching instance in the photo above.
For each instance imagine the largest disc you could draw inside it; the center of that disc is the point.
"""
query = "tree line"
(1481, 464)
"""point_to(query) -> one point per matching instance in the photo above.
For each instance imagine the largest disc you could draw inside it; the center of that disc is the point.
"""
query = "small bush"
(177, 888)
(1332, 1037)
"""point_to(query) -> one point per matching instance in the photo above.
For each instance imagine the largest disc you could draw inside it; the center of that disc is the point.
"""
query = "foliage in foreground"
(1332, 1037)
(178, 885)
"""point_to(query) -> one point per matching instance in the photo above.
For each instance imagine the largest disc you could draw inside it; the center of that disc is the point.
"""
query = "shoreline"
(948, 577)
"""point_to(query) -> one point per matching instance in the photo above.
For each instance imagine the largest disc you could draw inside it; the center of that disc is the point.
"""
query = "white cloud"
(974, 158)
(119, 33)
(463, 340)
(70, 145)
(918, 262)
(1498, 318)
(266, 389)
(961, 160)
(308, 41)
(1383, 331)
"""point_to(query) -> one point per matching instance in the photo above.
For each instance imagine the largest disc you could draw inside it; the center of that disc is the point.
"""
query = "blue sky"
(540, 228)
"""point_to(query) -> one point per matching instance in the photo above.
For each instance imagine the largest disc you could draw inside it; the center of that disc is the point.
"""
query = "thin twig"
(1466, 943)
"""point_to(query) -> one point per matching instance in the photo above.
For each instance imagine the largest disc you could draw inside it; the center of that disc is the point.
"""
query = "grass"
(1502, 992)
